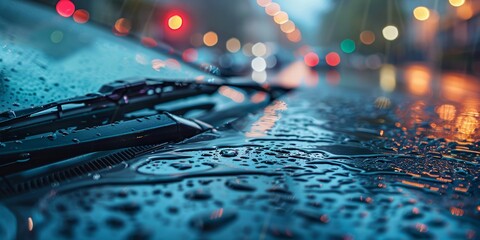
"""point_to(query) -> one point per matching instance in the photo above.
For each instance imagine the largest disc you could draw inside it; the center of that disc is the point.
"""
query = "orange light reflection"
(267, 121)
(418, 79)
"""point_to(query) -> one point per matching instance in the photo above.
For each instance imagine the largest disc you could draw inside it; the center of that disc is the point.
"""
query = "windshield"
(45, 58)
(54, 49)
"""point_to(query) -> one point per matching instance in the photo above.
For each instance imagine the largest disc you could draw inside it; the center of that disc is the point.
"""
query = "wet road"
(347, 156)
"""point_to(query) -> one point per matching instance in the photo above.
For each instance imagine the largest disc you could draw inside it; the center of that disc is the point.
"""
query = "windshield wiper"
(156, 129)
(98, 122)
(111, 104)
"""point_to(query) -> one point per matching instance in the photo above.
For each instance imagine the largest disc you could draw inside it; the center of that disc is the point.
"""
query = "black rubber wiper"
(151, 130)
(98, 122)
(111, 104)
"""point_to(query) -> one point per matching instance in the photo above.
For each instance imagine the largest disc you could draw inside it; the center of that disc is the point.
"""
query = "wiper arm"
(97, 122)
(152, 130)
(111, 104)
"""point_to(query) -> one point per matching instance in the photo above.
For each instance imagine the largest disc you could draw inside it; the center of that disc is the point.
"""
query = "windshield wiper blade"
(42, 150)
(97, 122)
(111, 104)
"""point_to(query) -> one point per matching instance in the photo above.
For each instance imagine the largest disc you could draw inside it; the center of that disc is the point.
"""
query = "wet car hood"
(325, 161)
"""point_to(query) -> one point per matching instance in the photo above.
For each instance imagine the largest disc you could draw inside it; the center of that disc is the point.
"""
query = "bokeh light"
(259, 49)
(122, 26)
(465, 11)
(259, 64)
(390, 32)
(259, 77)
(280, 17)
(263, 3)
(247, 49)
(81, 16)
(233, 45)
(446, 112)
(367, 37)
(56, 36)
(210, 39)
(421, 13)
(418, 79)
(467, 123)
(287, 27)
(65, 8)
(388, 78)
(175, 22)
(311, 59)
(295, 36)
(347, 46)
(456, 3)
(272, 9)
(332, 59)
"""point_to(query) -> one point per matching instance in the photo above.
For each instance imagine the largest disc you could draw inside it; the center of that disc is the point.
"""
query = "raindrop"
(229, 153)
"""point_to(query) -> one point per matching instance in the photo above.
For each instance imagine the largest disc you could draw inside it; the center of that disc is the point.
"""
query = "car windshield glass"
(45, 57)
(54, 49)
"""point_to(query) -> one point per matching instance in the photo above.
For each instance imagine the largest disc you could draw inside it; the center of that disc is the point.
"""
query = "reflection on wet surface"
(322, 162)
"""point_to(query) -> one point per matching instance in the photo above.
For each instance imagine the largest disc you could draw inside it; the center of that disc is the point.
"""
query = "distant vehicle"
(322, 58)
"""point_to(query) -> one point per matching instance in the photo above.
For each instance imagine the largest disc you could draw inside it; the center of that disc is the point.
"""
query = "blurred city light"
(259, 77)
(456, 3)
(421, 13)
(65, 8)
(388, 78)
(259, 49)
(347, 46)
(311, 59)
(81, 16)
(122, 26)
(259, 64)
(263, 3)
(367, 37)
(390, 32)
(272, 9)
(210, 39)
(418, 79)
(280, 17)
(465, 11)
(175, 22)
(332, 59)
(233, 45)
(287, 27)
(446, 112)
(295, 36)
(56, 36)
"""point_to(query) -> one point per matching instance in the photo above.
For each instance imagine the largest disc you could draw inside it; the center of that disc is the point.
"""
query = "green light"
(56, 36)
(347, 46)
